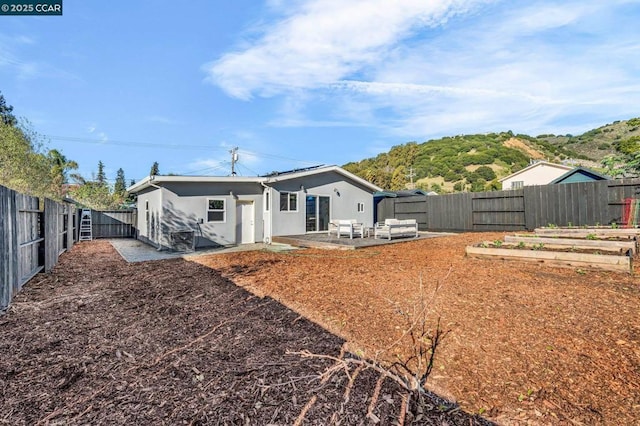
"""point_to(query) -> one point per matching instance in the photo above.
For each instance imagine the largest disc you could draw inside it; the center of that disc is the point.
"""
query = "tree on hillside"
(98, 194)
(6, 115)
(613, 166)
(25, 164)
(120, 187)
(626, 163)
(399, 179)
(94, 195)
(155, 169)
(22, 167)
(60, 167)
(486, 173)
(478, 185)
(101, 178)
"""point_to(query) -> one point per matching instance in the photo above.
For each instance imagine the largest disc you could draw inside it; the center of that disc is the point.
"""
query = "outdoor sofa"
(346, 228)
(396, 228)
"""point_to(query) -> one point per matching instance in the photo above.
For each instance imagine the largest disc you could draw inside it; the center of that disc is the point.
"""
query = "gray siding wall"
(185, 208)
(149, 219)
(345, 196)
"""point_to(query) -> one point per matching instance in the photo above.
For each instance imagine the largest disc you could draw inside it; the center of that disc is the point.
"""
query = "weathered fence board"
(31, 239)
(113, 223)
(51, 234)
(577, 204)
(8, 244)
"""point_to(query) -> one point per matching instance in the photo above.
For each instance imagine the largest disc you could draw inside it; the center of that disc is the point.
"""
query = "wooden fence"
(113, 223)
(578, 204)
(33, 234)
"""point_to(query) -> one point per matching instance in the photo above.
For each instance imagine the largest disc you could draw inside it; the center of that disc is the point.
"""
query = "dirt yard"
(100, 341)
(528, 344)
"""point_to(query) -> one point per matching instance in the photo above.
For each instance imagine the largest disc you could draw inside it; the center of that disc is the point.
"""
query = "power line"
(253, 172)
(132, 143)
(276, 157)
(219, 166)
(172, 146)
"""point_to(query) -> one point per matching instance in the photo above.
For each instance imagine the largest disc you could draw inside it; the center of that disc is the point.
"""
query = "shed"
(579, 174)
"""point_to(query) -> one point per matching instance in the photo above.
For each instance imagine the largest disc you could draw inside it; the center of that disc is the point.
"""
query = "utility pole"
(234, 159)
(410, 176)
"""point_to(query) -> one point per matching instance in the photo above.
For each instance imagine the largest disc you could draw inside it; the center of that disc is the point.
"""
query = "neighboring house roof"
(150, 181)
(535, 165)
(403, 193)
(579, 174)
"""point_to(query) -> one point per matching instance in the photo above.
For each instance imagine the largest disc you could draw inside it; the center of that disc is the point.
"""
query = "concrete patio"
(136, 251)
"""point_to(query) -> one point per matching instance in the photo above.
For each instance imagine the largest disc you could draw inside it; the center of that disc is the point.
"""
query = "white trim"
(289, 201)
(224, 210)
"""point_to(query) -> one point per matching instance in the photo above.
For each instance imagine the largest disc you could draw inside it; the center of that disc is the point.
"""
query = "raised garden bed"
(598, 232)
(529, 241)
(542, 254)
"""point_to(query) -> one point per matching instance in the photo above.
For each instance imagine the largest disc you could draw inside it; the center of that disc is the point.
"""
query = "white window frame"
(223, 210)
(360, 207)
(267, 200)
(289, 194)
(517, 184)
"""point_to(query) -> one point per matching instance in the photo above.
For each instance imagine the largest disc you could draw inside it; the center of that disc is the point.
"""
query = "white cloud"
(13, 51)
(422, 69)
(92, 129)
(324, 41)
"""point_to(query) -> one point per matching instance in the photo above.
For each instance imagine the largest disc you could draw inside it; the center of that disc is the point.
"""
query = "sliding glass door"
(318, 209)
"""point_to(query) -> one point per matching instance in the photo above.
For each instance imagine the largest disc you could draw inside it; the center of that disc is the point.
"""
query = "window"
(266, 200)
(288, 202)
(360, 207)
(517, 184)
(215, 210)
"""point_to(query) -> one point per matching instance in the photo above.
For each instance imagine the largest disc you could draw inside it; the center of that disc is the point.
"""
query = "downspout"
(269, 213)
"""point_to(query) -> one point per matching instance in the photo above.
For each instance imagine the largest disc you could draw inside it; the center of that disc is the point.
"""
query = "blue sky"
(303, 82)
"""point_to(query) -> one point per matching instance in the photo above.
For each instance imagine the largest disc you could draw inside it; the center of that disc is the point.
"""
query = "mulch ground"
(528, 343)
(100, 341)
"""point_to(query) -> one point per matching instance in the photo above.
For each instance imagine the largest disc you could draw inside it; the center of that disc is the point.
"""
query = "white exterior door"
(245, 222)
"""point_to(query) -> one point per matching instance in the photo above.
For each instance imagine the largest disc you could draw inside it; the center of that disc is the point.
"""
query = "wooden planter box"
(628, 233)
(555, 258)
(578, 243)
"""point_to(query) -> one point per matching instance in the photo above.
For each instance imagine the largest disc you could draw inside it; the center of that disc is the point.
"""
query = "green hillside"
(476, 162)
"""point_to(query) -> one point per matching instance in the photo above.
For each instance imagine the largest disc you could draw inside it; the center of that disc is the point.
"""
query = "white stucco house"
(230, 210)
(539, 173)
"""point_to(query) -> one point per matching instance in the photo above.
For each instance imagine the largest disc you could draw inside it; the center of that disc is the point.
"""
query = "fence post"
(8, 246)
(51, 251)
